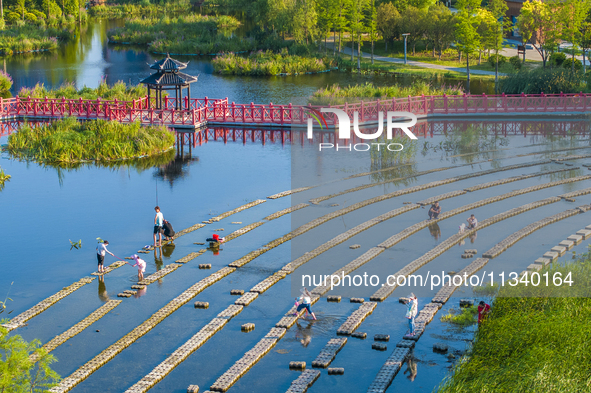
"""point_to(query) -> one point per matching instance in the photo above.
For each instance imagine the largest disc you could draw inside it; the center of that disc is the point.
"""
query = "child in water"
(305, 301)
(141, 266)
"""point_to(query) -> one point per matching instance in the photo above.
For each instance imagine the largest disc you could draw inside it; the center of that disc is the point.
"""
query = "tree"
(538, 24)
(305, 21)
(585, 38)
(388, 21)
(467, 38)
(327, 15)
(497, 24)
(358, 27)
(573, 15)
(413, 23)
(440, 29)
(372, 26)
(341, 22)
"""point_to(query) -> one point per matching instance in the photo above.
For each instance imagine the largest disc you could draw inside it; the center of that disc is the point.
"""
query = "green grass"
(69, 141)
(119, 91)
(535, 339)
(190, 34)
(465, 317)
(269, 63)
(335, 94)
(134, 10)
(27, 38)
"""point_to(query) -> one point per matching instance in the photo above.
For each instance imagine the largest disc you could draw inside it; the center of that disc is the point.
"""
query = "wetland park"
(366, 196)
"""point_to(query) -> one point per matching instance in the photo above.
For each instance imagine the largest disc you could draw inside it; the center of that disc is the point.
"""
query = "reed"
(135, 10)
(28, 38)
(119, 91)
(70, 141)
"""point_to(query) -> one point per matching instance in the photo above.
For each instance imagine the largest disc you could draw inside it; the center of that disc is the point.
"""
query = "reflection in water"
(168, 249)
(304, 334)
(411, 367)
(174, 169)
(102, 289)
(473, 237)
(158, 258)
(435, 230)
(141, 292)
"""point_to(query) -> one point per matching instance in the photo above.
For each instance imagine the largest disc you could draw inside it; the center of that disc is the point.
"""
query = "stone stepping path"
(286, 211)
(288, 192)
(389, 370)
(79, 327)
(45, 304)
(329, 352)
(238, 209)
(355, 319)
(304, 381)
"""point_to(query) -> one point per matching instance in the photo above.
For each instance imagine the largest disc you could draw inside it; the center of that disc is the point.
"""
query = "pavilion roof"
(168, 64)
(169, 79)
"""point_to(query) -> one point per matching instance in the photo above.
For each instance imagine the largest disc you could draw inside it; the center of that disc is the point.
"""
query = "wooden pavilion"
(169, 77)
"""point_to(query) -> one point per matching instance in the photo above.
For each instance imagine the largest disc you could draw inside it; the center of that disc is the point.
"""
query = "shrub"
(568, 64)
(556, 59)
(12, 17)
(492, 60)
(541, 80)
(5, 82)
(516, 62)
(30, 17)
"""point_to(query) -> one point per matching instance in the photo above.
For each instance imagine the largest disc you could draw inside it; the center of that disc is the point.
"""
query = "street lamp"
(405, 35)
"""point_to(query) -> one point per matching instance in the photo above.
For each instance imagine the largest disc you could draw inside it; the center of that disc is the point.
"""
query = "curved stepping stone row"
(328, 353)
(515, 178)
(250, 358)
(286, 211)
(45, 304)
(526, 231)
(355, 319)
(389, 370)
(304, 381)
(246, 299)
(443, 295)
(113, 350)
(238, 209)
(288, 192)
(79, 327)
(559, 250)
(385, 291)
(110, 268)
(243, 230)
(187, 230)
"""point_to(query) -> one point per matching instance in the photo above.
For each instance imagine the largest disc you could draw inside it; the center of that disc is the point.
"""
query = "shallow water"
(45, 207)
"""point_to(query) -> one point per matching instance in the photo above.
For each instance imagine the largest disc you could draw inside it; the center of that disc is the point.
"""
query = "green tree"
(440, 28)
(327, 15)
(538, 23)
(372, 25)
(305, 21)
(467, 38)
(585, 38)
(357, 22)
(388, 22)
(497, 24)
(414, 22)
(573, 15)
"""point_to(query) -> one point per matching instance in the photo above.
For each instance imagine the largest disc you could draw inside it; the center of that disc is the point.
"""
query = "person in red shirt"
(483, 310)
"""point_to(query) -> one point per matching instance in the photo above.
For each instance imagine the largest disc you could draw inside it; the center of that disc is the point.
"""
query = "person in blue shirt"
(158, 222)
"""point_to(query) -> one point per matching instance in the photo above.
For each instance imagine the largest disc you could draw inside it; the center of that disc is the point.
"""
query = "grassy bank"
(119, 91)
(336, 94)
(70, 141)
(191, 34)
(269, 63)
(534, 340)
(134, 10)
(28, 38)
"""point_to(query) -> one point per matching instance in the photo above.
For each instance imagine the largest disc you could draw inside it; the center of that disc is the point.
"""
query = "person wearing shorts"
(305, 301)
(158, 222)
(101, 250)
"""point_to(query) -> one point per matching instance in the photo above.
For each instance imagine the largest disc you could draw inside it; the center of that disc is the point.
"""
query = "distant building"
(512, 13)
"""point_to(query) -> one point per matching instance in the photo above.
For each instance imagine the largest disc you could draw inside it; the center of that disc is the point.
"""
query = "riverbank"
(118, 91)
(69, 141)
(532, 340)
(135, 10)
(31, 38)
(268, 63)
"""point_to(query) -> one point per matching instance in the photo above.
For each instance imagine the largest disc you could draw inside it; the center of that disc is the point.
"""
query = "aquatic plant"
(543, 80)
(3, 178)
(27, 38)
(187, 34)
(269, 63)
(70, 141)
(119, 91)
(465, 317)
(133, 10)
(536, 338)
(335, 94)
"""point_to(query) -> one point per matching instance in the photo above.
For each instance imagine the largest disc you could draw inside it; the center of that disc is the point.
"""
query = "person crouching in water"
(141, 266)
(168, 231)
(305, 302)
(411, 313)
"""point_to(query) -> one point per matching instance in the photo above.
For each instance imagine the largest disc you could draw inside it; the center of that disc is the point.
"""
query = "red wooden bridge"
(205, 111)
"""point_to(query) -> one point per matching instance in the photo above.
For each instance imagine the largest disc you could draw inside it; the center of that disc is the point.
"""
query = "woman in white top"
(411, 313)
(305, 301)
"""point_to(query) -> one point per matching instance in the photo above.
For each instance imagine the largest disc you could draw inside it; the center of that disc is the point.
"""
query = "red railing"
(218, 111)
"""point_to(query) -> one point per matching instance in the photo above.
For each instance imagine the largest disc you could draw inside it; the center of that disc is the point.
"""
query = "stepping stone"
(205, 266)
(570, 199)
(568, 243)
(199, 243)
(328, 353)
(336, 371)
(440, 348)
(237, 222)
(336, 299)
(379, 346)
(405, 344)
(193, 389)
(471, 251)
(559, 249)
(357, 300)
(543, 261)
(551, 255)
(247, 327)
(575, 238)
(354, 246)
(297, 365)
(534, 267)
(466, 302)
(585, 233)
(381, 337)
(466, 256)
(360, 335)
(588, 227)
(201, 304)
(238, 292)
(403, 300)
(334, 205)
(124, 295)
